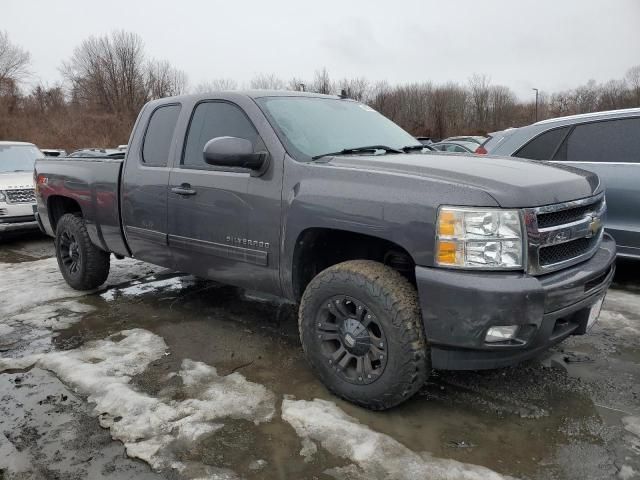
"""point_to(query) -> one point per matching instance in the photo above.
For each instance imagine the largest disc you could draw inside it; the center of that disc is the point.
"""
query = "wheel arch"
(318, 248)
(59, 205)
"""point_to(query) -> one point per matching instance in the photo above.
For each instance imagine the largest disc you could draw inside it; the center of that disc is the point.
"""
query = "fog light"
(500, 334)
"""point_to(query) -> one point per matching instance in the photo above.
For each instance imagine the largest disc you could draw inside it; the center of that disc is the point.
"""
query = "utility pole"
(536, 90)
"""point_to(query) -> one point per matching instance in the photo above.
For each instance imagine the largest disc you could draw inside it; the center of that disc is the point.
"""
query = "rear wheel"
(83, 265)
(361, 331)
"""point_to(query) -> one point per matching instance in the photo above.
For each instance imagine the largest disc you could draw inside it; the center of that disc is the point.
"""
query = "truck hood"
(512, 182)
(16, 180)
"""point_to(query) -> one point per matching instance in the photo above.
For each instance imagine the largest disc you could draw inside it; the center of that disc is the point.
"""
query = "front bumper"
(14, 217)
(459, 307)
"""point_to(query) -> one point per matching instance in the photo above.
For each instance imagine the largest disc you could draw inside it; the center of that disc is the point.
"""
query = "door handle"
(184, 189)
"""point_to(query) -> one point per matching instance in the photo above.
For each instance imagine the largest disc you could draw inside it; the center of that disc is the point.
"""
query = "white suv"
(17, 195)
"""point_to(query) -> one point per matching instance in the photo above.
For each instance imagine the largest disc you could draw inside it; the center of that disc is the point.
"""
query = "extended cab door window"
(159, 134)
(144, 189)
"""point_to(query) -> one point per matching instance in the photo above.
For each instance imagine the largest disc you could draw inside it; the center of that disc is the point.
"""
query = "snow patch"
(626, 473)
(632, 425)
(148, 425)
(619, 324)
(378, 456)
(27, 284)
(308, 449)
(52, 316)
(5, 330)
(137, 289)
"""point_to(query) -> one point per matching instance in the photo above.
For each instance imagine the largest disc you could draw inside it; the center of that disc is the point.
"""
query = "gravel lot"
(162, 375)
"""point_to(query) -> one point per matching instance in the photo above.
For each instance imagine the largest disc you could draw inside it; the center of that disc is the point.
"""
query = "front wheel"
(83, 265)
(361, 331)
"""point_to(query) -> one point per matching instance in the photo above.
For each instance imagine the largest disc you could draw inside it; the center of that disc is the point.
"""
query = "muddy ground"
(161, 375)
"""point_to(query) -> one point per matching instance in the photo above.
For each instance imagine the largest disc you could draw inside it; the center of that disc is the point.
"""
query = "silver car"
(607, 143)
(17, 196)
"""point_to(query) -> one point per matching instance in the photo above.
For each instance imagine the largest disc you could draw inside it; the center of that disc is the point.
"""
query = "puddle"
(25, 247)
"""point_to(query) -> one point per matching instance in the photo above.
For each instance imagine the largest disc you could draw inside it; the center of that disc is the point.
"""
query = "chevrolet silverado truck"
(17, 198)
(401, 261)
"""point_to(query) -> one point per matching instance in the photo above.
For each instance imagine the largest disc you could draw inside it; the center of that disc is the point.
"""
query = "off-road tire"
(92, 268)
(394, 302)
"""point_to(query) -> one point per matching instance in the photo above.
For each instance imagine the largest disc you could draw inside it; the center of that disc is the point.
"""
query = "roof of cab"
(246, 93)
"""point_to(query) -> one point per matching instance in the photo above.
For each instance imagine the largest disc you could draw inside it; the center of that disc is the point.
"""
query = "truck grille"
(25, 195)
(562, 251)
(553, 219)
(564, 234)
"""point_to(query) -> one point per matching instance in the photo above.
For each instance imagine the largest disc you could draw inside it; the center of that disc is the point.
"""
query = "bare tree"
(321, 82)
(14, 63)
(109, 72)
(355, 88)
(586, 97)
(479, 97)
(264, 81)
(613, 95)
(633, 80)
(297, 84)
(501, 104)
(163, 80)
(216, 85)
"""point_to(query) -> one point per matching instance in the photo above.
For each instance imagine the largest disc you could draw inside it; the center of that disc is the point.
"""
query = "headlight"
(3, 198)
(487, 238)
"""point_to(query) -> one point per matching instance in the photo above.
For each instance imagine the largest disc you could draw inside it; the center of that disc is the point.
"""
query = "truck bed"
(92, 182)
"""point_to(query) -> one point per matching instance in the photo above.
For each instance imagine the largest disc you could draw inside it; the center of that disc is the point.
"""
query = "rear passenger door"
(611, 148)
(144, 187)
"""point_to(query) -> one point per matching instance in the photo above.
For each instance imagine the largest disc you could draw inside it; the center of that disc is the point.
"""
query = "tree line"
(109, 78)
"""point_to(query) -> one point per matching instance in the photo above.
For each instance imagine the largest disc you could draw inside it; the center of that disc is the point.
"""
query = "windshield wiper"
(371, 148)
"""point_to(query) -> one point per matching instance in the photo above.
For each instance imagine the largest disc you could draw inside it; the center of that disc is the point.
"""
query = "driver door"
(210, 207)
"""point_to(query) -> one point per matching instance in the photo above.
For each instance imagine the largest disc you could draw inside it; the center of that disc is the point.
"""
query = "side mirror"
(233, 152)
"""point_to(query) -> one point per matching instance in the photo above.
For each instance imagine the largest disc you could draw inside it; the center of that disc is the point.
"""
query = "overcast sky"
(549, 44)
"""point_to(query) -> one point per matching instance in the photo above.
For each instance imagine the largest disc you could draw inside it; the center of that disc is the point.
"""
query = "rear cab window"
(159, 135)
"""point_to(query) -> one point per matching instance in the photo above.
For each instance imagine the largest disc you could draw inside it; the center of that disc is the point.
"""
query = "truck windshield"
(313, 126)
(18, 158)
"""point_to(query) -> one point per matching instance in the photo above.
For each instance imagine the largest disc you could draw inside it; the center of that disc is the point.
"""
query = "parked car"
(459, 147)
(53, 152)
(97, 153)
(427, 140)
(17, 198)
(401, 261)
(477, 139)
(606, 143)
(122, 148)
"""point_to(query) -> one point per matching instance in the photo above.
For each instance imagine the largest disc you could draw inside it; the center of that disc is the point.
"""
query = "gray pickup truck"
(401, 261)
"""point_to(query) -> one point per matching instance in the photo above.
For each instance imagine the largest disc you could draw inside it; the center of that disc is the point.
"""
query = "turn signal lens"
(446, 224)
(447, 252)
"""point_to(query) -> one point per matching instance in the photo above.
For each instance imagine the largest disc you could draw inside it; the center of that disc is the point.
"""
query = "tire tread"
(399, 300)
